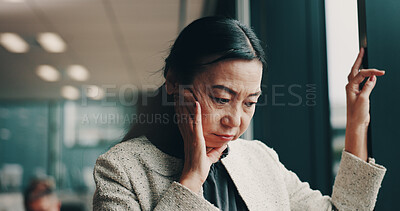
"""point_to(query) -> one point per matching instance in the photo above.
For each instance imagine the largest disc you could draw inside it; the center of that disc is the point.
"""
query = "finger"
(197, 124)
(215, 153)
(183, 116)
(356, 65)
(184, 100)
(365, 73)
(368, 87)
(198, 129)
(186, 103)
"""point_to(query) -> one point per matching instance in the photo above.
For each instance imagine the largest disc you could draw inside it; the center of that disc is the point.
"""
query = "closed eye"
(249, 104)
(221, 100)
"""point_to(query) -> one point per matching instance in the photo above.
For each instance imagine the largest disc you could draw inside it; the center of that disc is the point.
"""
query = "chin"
(215, 144)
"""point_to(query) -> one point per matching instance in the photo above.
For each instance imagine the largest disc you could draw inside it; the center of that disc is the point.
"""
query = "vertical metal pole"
(54, 141)
(182, 15)
(362, 34)
(243, 15)
(243, 11)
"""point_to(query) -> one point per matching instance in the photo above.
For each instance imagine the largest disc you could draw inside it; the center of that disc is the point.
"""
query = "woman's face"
(227, 92)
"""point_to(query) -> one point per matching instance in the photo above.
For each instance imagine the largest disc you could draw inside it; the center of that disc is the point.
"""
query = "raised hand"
(358, 117)
(198, 158)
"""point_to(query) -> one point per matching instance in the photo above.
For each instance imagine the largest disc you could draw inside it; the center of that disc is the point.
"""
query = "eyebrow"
(231, 91)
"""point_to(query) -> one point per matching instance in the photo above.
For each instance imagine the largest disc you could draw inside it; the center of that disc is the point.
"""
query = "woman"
(191, 156)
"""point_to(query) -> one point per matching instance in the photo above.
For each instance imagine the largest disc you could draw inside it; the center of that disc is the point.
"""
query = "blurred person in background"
(188, 154)
(40, 196)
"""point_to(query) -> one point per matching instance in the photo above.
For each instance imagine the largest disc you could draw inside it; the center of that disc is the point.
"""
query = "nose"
(232, 118)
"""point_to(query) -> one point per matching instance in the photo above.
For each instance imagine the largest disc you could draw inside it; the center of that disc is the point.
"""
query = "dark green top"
(220, 190)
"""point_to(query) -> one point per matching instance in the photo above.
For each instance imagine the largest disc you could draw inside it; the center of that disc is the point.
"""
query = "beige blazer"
(135, 175)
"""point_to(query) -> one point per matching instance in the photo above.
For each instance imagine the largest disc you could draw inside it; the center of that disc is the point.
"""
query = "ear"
(171, 83)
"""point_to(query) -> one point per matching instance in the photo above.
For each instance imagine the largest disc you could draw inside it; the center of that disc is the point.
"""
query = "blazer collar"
(158, 161)
(243, 176)
(236, 164)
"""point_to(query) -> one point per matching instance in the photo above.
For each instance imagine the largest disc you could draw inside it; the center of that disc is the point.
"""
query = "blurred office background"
(72, 72)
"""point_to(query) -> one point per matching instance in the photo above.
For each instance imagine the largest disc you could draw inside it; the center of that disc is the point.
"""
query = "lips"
(224, 137)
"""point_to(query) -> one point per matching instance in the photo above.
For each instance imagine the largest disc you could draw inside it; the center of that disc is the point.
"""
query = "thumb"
(215, 153)
(368, 87)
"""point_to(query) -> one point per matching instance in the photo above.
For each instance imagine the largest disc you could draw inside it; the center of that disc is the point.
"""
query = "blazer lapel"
(158, 161)
(249, 180)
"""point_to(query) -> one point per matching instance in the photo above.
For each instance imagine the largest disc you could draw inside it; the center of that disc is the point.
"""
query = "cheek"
(210, 114)
(246, 118)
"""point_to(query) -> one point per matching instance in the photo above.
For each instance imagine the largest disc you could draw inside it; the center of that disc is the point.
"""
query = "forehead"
(239, 74)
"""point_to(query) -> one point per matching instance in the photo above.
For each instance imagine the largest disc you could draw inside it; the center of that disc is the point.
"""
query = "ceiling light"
(48, 73)
(70, 92)
(13, 43)
(78, 72)
(94, 92)
(51, 42)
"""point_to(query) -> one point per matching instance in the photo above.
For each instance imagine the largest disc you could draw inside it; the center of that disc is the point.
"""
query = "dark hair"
(37, 189)
(219, 37)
